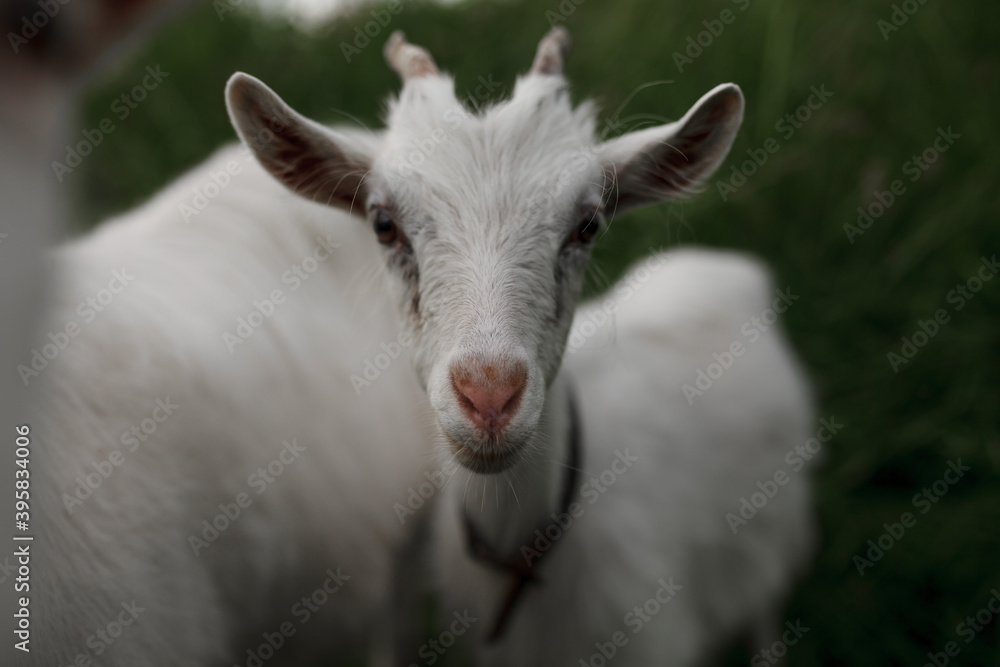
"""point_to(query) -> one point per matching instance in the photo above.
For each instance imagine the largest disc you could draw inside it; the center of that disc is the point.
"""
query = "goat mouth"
(484, 462)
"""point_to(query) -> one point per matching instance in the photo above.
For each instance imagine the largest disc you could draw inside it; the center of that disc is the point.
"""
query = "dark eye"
(587, 230)
(385, 226)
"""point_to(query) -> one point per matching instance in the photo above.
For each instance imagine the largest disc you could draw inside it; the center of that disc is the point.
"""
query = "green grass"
(941, 69)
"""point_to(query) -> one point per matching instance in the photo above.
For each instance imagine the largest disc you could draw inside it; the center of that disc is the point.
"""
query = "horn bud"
(552, 52)
(409, 61)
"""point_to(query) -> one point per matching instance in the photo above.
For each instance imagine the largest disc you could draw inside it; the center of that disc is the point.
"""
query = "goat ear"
(661, 162)
(310, 159)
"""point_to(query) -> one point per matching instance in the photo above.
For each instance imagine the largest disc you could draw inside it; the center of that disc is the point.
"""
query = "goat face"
(486, 220)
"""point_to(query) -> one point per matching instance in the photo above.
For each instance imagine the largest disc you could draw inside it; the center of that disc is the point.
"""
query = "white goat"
(486, 222)
(192, 370)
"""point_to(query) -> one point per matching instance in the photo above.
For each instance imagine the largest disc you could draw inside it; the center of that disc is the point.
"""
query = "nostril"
(489, 399)
(489, 393)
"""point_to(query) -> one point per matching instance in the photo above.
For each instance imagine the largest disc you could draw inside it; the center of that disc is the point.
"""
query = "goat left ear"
(316, 162)
(661, 162)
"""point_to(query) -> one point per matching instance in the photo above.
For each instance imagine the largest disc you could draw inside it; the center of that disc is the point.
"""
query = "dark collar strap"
(521, 572)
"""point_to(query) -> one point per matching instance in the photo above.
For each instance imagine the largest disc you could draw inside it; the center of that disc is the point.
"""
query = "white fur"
(162, 336)
(665, 517)
(489, 274)
(486, 212)
(487, 266)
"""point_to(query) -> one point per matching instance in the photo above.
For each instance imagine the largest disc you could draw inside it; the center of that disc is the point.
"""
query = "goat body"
(486, 239)
(647, 567)
(277, 474)
(212, 473)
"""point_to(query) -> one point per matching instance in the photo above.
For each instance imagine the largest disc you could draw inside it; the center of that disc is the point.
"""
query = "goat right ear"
(662, 162)
(310, 159)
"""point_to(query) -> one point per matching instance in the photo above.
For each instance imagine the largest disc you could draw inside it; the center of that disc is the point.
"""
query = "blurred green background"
(940, 69)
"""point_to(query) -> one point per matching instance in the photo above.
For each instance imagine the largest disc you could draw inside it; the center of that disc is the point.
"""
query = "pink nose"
(489, 393)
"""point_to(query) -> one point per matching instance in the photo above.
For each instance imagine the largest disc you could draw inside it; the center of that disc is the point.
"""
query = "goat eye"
(385, 227)
(587, 230)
